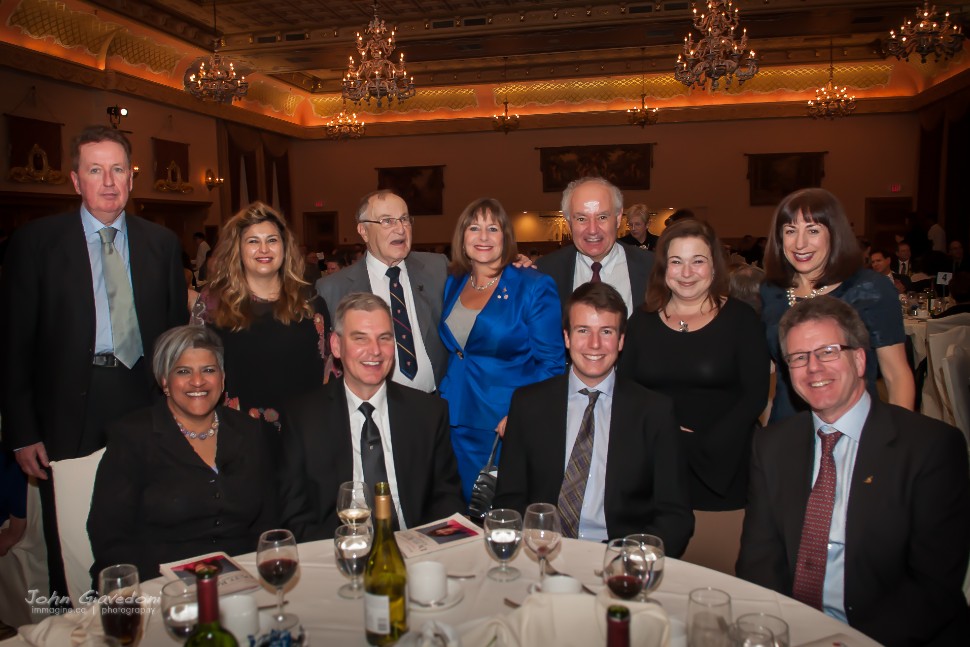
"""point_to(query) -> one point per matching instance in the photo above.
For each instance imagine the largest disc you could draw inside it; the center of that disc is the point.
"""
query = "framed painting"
(422, 187)
(772, 176)
(625, 165)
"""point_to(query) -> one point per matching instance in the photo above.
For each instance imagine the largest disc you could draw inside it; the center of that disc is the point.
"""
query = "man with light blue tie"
(84, 295)
(858, 508)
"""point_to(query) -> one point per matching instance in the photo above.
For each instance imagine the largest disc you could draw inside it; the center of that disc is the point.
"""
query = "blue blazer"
(516, 340)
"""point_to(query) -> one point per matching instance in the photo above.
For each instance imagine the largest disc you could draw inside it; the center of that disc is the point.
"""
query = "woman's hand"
(685, 429)
(500, 429)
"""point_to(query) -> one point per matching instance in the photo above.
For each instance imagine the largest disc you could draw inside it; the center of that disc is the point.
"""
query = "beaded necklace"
(484, 287)
(201, 436)
(792, 299)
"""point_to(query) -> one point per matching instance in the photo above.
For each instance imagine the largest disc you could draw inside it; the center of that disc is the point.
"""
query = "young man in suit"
(881, 262)
(592, 207)
(858, 508)
(605, 449)
(84, 296)
(389, 267)
(364, 427)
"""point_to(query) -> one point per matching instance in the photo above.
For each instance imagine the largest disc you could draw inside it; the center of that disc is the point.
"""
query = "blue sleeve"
(544, 320)
(877, 302)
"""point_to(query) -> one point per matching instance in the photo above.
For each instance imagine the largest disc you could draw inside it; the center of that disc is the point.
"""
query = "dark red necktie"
(813, 548)
(596, 267)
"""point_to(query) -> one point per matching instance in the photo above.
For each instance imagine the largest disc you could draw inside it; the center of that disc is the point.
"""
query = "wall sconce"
(211, 181)
(115, 113)
(135, 171)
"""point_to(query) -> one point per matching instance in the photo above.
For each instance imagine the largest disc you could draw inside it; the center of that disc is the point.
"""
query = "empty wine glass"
(353, 505)
(763, 622)
(180, 612)
(708, 618)
(542, 532)
(653, 552)
(121, 606)
(624, 568)
(277, 559)
(503, 536)
(351, 546)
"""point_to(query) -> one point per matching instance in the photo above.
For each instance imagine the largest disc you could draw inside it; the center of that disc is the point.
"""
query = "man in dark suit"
(592, 207)
(882, 263)
(74, 339)
(635, 474)
(904, 256)
(365, 427)
(385, 225)
(958, 263)
(858, 508)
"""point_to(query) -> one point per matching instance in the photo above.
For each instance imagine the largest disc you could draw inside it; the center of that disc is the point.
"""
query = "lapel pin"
(868, 480)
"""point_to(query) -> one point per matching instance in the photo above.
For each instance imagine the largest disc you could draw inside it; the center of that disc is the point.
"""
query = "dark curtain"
(957, 199)
(236, 158)
(930, 160)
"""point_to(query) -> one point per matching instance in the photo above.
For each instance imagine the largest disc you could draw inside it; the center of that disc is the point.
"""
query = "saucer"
(455, 595)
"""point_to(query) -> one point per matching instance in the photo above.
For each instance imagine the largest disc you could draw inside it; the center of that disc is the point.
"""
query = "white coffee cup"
(560, 584)
(239, 616)
(427, 583)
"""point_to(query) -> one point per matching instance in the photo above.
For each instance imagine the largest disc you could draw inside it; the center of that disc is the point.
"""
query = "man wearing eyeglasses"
(858, 508)
(412, 283)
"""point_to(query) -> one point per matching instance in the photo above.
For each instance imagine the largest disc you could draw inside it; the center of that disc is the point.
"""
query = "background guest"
(957, 261)
(272, 325)
(812, 251)
(637, 219)
(185, 476)
(500, 325)
(904, 256)
(960, 293)
(881, 262)
(745, 285)
(707, 352)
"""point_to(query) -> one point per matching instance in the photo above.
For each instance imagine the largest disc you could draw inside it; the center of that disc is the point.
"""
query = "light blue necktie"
(125, 336)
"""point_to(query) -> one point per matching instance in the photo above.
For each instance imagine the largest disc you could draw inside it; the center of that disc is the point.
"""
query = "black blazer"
(48, 322)
(561, 265)
(646, 471)
(317, 456)
(907, 528)
(156, 501)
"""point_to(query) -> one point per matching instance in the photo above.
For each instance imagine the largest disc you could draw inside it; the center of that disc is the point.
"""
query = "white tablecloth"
(916, 329)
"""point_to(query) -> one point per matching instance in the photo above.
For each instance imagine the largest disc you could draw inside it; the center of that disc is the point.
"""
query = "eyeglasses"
(824, 354)
(388, 222)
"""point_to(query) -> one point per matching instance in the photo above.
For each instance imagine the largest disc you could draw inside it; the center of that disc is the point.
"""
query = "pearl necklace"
(471, 279)
(205, 434)
(792, 299)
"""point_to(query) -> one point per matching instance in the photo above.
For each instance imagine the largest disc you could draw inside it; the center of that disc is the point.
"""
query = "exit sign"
(895, 187)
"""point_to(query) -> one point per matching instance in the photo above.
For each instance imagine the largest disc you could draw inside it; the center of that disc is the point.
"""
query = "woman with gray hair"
(185, 476)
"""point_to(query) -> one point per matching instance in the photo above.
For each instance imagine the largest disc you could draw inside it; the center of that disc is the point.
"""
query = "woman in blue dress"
(502, 328)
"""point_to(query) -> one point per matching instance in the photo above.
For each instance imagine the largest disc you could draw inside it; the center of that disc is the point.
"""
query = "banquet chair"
(956, 375)
(940, 335)
(73, 486)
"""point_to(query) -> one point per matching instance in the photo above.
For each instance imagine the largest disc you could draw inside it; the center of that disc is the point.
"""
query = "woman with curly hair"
(272, 323)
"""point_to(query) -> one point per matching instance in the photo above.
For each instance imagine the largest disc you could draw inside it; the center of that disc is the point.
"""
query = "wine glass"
(352, 502)
(653, 552)
(708, 618)
(277, 559)
(503, 536)
(763, 622)
(351, 546)
(542, 532)
(121, 605)
(624, 569)
(180, 611)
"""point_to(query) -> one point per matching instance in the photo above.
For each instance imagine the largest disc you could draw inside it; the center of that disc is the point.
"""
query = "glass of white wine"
(503, 536)
(353, 503)
(351, 546)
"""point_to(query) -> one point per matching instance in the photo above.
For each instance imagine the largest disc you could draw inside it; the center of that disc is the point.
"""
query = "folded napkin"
(432, 634)
(564, 620)
(66, 630)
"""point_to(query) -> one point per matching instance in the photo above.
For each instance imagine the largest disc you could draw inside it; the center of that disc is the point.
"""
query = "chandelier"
(505, 122)
(926, 36)
(716, 54)
(830, 102)
(216, 82)
(377, 76)
(642, 116)
(345, 126)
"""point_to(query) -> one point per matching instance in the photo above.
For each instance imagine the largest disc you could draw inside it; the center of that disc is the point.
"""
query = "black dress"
(718, 379)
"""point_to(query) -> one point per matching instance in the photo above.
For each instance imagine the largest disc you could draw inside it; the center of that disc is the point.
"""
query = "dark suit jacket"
(48, 324)
(317, 456)
(646, 467)
(156, 501)
(907, 528)
(427, 273)
(561, 265)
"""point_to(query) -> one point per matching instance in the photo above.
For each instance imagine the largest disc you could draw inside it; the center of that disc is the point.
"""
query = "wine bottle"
(617, 626)
(208, 631)
(385, 578)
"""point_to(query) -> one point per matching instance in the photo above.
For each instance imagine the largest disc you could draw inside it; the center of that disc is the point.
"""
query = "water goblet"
(624, 568)
(653, 552)
(121, 603)
(353, 503)
(277, 559)
(542, 532)
(765, 622)
(180, 611)
(708, 618)
(503, 536)
(351, 547)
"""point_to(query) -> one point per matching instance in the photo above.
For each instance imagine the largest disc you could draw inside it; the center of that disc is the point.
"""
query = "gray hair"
(820, 309)
(172, 343)
(363, 209)
(615, 194)
(357, 301)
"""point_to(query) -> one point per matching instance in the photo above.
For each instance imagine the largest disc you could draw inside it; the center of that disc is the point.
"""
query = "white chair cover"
(940, 335)
(24, 569)
(956, 375)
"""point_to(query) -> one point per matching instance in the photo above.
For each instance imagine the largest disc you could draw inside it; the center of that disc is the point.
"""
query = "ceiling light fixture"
(716, 55)
(344, 125)
(928, 35)
(642, 116)
(830, 102)
(216, 81)
(377, 76)
(505, 122)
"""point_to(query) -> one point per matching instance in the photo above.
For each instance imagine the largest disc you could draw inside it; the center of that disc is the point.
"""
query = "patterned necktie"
(577, 472)
(407, 362)
(813, 548)
(904, 268)
(596, 267)
(372, 453)
(125, 337)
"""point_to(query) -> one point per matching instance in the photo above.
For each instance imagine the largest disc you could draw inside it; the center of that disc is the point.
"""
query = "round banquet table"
(332, 620)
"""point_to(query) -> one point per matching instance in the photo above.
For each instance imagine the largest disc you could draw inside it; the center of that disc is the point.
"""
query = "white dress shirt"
(592, 518)
(103, 341)
(614, 272)
(380, 285)
(850, 424)
(383, 422)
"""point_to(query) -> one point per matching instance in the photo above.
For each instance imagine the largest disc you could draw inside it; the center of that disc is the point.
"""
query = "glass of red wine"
(624, 568)
(121, 603)
(277, 559)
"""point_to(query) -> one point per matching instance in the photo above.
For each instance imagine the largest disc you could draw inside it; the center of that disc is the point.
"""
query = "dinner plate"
(455, 595)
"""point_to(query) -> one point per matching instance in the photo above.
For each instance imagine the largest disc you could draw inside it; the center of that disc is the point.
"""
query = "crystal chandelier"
(216, 82)
(642, 116)
(716, 54)
(505, 122)
(830, 102)
(377, 76)
(345, 126)
(926, 36)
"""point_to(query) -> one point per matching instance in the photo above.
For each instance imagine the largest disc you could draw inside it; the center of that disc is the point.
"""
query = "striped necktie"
(577, 471)
(407, 362)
